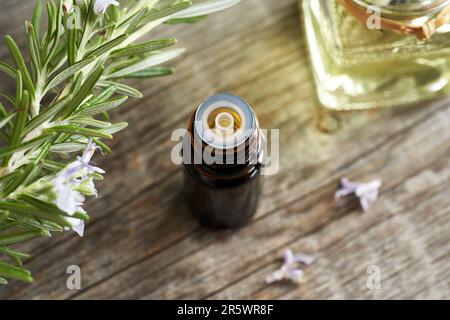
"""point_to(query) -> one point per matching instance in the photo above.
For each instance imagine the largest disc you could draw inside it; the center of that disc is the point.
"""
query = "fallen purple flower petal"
(367, 193)
(289, 270)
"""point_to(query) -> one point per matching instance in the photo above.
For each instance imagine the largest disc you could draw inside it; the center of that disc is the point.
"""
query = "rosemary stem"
(38, 94)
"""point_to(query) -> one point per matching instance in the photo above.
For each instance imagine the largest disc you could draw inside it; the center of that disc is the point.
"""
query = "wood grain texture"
(142, 242)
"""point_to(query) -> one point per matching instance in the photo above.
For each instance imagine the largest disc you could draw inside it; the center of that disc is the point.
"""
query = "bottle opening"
(224, 121)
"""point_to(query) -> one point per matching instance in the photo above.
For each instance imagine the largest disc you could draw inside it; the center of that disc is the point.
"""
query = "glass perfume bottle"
(358, 65)
(222, 162)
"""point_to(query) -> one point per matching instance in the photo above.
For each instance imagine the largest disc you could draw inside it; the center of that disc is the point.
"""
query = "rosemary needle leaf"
(37, 17)
(81, 94)
(186, 20)
(19, 87)
(33, 46)
(104, 148)
(121, 88)
(152, 60)
(21, 119)
(25, 145)
(100, 107)
(31, 222)
(67, 147)
(143, 48)
(205, 8)
(25, 211)
(156, 14)
(90, 122)
(117, 127)
(134, 20)
(150, 73)
(20, 62)
(21, 236)
(18, 254)
(10, 271)
(53, 166)
(72, 46)
(6, 120)
(6, 68)
(56, 32)
(71, 129)
(10, 98)
(104, 95)
(107, 47)
(7, 177)
(46, 115)
(67, 73)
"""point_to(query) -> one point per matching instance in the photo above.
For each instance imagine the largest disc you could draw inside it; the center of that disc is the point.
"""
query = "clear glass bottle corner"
(358, 68)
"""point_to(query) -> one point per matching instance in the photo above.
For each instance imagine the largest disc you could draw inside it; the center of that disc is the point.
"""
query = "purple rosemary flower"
(289, 270)
(72, 183)
(366, 192)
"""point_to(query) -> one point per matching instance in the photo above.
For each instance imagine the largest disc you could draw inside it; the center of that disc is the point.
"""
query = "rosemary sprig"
(74, 75)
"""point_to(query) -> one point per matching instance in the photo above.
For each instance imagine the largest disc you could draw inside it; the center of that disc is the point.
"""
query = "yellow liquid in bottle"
(359, 68)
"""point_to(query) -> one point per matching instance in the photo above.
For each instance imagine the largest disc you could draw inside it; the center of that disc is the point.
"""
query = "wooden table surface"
(142, 243)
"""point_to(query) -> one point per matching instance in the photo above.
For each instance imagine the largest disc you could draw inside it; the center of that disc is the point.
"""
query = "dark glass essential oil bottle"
(222, 160)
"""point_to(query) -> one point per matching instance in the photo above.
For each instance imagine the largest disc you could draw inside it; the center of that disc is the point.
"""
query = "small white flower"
(289, 270)
(68, 200)
(101, 6)
(67, 6)
(68, 183)
(77, 225)
(366, 192)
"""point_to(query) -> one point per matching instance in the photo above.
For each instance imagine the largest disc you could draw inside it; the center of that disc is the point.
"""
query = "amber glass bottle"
(222, 162)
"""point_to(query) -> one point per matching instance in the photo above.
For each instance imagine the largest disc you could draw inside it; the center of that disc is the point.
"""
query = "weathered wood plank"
(142, 242)
(199, 272)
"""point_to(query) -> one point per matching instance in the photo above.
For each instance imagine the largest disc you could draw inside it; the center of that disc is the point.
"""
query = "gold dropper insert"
(237, 120)
(224, 122)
